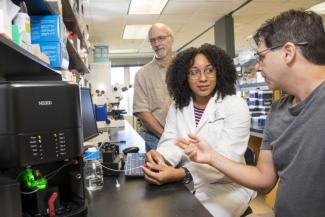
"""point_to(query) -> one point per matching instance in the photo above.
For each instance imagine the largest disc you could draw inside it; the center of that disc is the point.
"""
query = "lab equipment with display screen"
(41, 143)
(89, 125)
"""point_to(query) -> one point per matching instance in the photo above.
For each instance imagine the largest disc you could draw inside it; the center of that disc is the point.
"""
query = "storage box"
(57, 53)
(46, 28)
(101, 112)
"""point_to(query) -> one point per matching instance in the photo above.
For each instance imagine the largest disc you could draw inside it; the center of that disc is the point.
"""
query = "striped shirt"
(198, 114)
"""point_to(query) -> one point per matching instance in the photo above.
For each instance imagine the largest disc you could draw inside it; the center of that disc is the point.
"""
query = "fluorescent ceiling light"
(136, 31)
(147, 6)
(319, 8)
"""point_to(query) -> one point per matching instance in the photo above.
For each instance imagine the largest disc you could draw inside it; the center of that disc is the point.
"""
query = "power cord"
(31, 192)
(114, 170)
(55, 172)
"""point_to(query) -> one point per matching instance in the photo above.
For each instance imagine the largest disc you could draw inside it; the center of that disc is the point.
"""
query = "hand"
(196, 148)
(155, 157)
(160, 174)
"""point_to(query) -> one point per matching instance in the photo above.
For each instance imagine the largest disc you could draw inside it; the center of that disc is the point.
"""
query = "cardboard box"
(5, 25)
(46, 28)
(57, 53)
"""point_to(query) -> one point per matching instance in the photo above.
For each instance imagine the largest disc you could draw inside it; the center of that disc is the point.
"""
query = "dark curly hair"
(177, 73)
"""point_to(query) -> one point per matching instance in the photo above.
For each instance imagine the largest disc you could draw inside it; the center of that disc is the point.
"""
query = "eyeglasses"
(259, 56)
(195, 74)
(159, 39)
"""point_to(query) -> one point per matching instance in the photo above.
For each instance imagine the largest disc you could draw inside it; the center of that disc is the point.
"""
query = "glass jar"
(93, 170)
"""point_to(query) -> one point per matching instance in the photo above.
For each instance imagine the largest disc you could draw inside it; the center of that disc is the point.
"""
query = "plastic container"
(22, 20)
(93, 170)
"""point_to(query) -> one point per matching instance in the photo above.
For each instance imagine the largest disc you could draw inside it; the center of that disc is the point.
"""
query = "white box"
(5, 24)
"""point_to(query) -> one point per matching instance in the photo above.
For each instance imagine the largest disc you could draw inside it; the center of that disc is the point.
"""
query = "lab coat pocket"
(216, 124)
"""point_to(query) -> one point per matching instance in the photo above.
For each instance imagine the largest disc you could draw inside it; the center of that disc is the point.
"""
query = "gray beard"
(161, 53)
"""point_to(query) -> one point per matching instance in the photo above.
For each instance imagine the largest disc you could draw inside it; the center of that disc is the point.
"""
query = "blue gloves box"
(57, 53)
(46, 28)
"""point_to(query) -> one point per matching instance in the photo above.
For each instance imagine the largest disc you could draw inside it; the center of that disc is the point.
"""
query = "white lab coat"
(224, 125)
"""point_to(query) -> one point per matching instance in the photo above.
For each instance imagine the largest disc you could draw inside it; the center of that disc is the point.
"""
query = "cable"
(31, 192)
(117, 170)
(117, 183)
(55, 172)
(51, 203)
(19, 174)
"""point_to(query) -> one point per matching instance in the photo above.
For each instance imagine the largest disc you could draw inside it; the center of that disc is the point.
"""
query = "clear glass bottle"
(93, 170)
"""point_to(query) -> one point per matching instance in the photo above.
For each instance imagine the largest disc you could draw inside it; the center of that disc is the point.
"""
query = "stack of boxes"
(259, 102)
(49, 33)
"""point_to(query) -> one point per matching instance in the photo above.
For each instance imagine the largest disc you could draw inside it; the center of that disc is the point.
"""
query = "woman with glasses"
(202, 83)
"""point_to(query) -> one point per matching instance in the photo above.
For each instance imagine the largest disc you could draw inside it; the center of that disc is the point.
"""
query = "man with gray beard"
(151, 98)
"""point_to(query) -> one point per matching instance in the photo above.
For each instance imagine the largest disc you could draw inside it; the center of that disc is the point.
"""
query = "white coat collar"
(210, 109)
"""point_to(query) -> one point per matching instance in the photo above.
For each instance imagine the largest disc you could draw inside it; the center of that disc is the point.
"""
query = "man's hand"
(160, 174)
(151, 123)
(196, 148)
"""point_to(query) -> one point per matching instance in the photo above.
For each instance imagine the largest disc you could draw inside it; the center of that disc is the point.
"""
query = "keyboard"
(133, 163)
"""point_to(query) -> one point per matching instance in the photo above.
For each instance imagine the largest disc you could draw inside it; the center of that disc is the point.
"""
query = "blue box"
(101, 112)
(46, 28)
(56, 51)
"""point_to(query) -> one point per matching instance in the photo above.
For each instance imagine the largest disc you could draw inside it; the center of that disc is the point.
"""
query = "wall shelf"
(18, 64)
(252, 86)
(71, 22)
(75, 61)
(42, 7)
(256, 132)
(50, 7)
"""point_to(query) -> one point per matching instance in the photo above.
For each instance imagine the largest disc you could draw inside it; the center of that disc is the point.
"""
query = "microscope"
(114, 98)
(108, 114)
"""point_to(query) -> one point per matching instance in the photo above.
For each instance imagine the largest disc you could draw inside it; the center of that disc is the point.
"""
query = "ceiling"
(188, 19)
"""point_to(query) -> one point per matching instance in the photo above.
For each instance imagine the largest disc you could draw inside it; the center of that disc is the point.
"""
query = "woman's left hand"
(160, 174)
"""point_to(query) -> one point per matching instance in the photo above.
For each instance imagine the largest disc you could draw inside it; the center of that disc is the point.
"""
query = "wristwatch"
(188, 177)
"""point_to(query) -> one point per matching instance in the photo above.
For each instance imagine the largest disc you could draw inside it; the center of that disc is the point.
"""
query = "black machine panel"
(41, 122)
(46, 147)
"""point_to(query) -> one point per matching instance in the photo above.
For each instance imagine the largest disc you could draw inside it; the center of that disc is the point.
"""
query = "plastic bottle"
(93, 170)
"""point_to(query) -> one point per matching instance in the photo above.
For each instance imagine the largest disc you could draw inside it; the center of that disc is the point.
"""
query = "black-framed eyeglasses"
(195, 73)
(159, 39)
(260, 56)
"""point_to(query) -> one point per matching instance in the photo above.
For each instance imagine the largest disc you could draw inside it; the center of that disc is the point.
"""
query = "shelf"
(71, 22)
(75, 61)
(46, 7)
(18, 64)
(252, 86)
(43, 7)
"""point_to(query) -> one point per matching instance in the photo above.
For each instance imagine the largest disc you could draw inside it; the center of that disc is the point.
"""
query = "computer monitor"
(89, 125)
